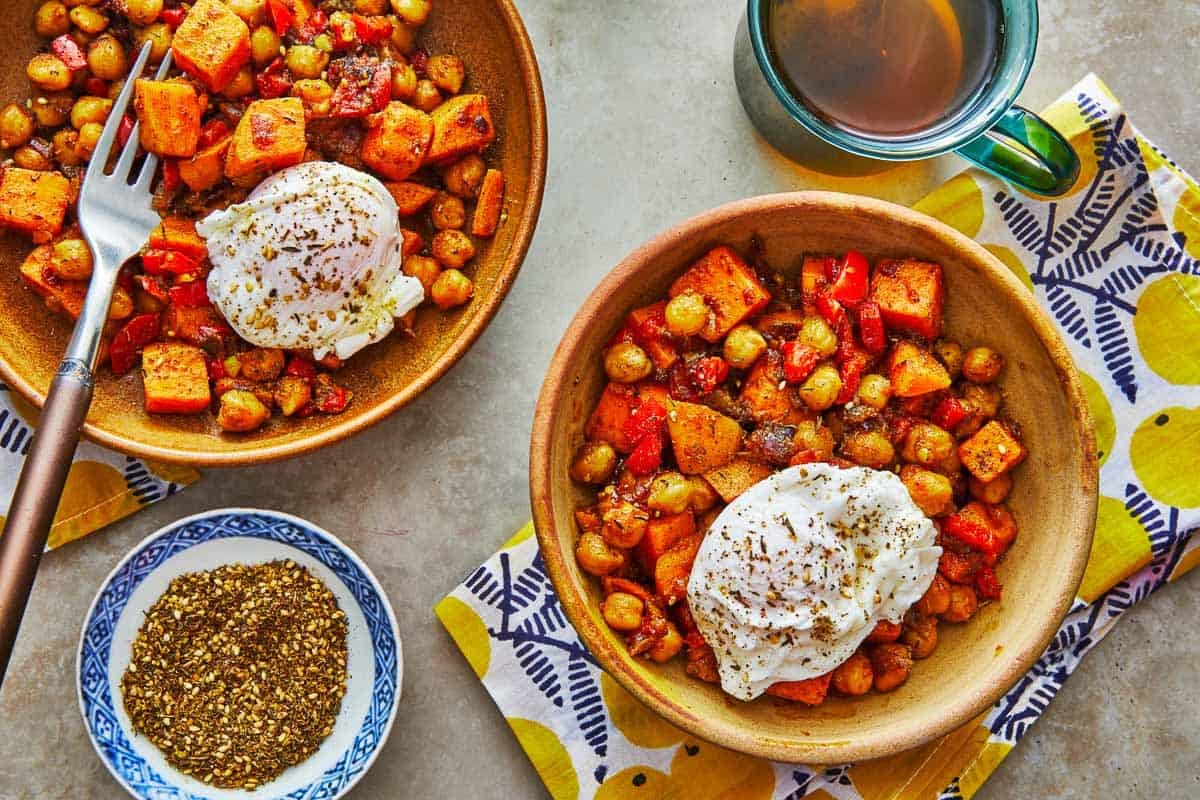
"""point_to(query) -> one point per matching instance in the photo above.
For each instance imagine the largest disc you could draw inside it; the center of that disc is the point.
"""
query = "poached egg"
(310, 260)
(796, 572)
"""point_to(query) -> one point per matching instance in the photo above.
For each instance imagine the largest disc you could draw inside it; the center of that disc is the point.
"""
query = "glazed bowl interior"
(1054, 497)
(490, 38)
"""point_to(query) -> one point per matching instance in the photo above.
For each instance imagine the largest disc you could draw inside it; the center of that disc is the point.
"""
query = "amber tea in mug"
(884, 68)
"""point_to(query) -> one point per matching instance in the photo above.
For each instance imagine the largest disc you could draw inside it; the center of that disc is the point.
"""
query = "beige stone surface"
(645, 130)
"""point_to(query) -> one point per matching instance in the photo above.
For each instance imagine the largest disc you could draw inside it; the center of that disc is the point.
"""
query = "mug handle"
(1047, 165)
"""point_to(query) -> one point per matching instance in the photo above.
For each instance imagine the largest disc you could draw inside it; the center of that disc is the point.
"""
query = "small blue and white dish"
(204, 542)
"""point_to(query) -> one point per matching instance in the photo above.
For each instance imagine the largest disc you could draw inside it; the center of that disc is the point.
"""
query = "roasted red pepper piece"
(364, 86)
(949, 412)
(334, 401)
(190, 295)
(371, 30)
(314, 26)
(96, 87)
(300, 367)
(67, 51)
(213, 131)
(124, 130)
(647, 419)
(987, 586)
(174, 17)
(216, 369)
(708, 373)
(958, 567)
(344, 32)
(974, 535)
(129, 341)
(830, 309)
(852, 279)
(171, 179)
(283, 14)
(679, 384)
(870, 328)
(799, 360)
(274, 81)
(168, 262)
(647, 455)
(419, 60)
(153, 287)
(852, 361)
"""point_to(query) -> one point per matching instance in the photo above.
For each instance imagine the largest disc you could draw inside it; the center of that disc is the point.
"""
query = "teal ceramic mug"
(988, 129)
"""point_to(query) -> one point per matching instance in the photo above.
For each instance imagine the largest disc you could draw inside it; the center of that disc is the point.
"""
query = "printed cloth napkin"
(1117, 264)
(102, 486)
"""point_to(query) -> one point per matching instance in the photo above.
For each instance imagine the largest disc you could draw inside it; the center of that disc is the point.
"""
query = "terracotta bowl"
(491, 39)
(1054, 498)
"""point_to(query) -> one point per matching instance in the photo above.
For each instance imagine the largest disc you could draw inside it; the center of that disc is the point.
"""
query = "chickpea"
(48, 72)
(89, 137)
(88, 19)
(52, 110)
(465, 176)
(982, 365)
(963, 603)
(625, 525)
(625, 362)
(701, 496)
(816, 333)
(927, 444)
(241, 85)
(305, 61)
(670, 493)
(264, 45)
(16, 126)
(596, 557)
(869, 449)
(814, 438)
(404, 37)
(404, 82)
(160, 36)
(252, 12)
(426, 97)
(452, 248)
(90, 109)
(66, 147)
(622, 611)
(316, 95)
(241, 411)
(931, 491)
(27, 157)
(106, 58)
(875, 391)
(144, 12)
(920, 634)
(447, 211)
(668, 646)
(821, 389)
(72, 259)
(371, 7)
(412, 12)
(936, 599)
(885, 631)
(983, 402)
(743, 346)
(891, 664)
(594, 462)
(446, 72)
(51, 19)
(451, 289)
(854, 676)
(994, 491)
(424, 269)
(951, 355)
(686, 314)
(122, 304)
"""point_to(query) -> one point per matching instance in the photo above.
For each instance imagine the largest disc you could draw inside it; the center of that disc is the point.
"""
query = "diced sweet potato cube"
(661, 535)
(413, 242)
(206, 168)
(736, 477)
(810, 692)
(168, 117)
(179, 233)
(728, 285)
(991, 452)
(763, 394)
(674, 567)
(211, 44)
(269, 136)
(489, 206)
(703, 439)
(291, 394)
(67, 295)
(997, 519)
(782, 324)
(617, 403)
(34, 201)
(195, 324)
(175, 378)
(461, 125)
(396, 144)
(660, 350)
(915, 371)
(410, 197)
(910, 296)
(812, 281)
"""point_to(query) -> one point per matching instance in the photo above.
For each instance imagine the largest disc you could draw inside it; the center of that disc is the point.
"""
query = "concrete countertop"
(645, 130)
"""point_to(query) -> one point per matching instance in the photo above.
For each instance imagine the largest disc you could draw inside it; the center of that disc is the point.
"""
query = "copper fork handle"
(38, 491)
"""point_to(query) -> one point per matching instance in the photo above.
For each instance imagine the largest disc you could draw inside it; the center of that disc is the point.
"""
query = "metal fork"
(116, 218)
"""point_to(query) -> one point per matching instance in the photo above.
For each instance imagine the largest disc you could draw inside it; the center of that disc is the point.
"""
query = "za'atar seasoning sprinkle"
(238, 673)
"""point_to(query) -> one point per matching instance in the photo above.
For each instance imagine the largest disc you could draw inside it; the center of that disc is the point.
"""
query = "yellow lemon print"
(172, 473)
(549, 757)
(1119, 549)
(95, 496)
(924, 771)
(1167, 325)
(468, 632)
(1065, 117)
(1165, 450)
(1012, 261)
(1102, 416)
(640, 725)
(958, 203)
(699, 771)
(1187, 220)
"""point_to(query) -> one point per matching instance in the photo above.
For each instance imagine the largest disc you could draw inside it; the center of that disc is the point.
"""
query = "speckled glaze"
(491, 38)
(1054, 498)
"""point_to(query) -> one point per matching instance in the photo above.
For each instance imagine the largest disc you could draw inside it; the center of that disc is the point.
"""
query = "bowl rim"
(526, 63)
(900, 734)
(299, 522)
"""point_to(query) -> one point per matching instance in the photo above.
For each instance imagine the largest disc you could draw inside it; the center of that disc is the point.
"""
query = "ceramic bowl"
(1054, 498)
(491, 39)
(204, 542)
